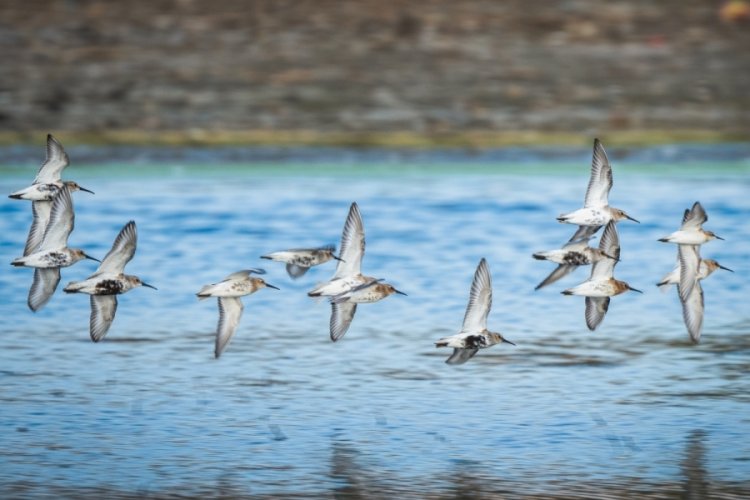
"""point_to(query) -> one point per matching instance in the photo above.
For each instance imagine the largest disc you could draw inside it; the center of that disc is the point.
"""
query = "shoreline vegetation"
(476, 139)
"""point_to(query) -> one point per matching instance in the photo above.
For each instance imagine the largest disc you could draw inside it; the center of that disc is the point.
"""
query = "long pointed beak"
(92, 258)
(508, 342)
(87, 190)
(271, 286)
(719, 238)
(338, 258)
(148, 286)
(630, 218)
(634, 289)
(399, 292)
(725, 268)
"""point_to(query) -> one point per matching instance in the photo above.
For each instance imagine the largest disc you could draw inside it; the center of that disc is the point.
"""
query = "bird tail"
(204, 292)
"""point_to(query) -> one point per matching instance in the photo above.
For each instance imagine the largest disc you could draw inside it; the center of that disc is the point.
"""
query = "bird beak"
(719, 237)
(271, 286)
(399, 292)
(87, 190)
(338, 258)
(508, 342)
(725, 268)
(630, 218)
(634, 289)
(148, 286)
(92, 258)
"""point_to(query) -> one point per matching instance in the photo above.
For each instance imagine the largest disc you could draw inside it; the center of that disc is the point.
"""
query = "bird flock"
(46, 251)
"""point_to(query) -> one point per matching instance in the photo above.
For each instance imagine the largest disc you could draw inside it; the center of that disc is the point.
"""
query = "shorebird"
(344, 305)
(109, 281)
(300, 260)
(52, 253)
(691, 231)
(705, 269)
(576, 252)
(601, 285)
(474, 334)
(47, 182)
(596, 210)
(229, 291)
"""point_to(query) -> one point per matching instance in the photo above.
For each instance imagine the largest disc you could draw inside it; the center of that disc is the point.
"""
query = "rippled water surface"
(633, 406)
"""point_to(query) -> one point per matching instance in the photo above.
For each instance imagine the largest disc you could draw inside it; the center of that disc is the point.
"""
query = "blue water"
(287, 412)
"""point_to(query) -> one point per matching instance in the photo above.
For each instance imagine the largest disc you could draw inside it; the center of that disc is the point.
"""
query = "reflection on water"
(632, 407)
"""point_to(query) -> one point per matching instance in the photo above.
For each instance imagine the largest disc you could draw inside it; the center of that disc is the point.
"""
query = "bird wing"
(583, 234)
(230, 312)
(56, 161)
(103, 308)
(610, 245)
(341, 318)
(560, 272)
(692, 312)
(352, 244)
(461, 356)
(597, 194)
(690, 261)
(61, 221)
(596, 308)
(694, 218)
(480, 299)
(241, 275)
(43, 287)
(121, 252)
(296, 271)
(41, 212)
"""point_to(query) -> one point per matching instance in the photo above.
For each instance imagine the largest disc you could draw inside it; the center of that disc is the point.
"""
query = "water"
(631, 407)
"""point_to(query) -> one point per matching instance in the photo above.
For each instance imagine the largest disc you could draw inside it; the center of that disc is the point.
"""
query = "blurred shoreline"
(478, 139)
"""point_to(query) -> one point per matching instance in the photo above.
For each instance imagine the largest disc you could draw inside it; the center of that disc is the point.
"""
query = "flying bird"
(109, 281)
(474, 334)
(596, 210)
(229, 291)
(300, 260)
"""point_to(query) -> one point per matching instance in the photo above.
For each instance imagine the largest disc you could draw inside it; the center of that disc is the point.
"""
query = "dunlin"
(300, 260)
(601, 285)
(596, 210)
(705, 269)
(47, 182)
(52, 253)
(474, 334)
(690, 290)
(691, 231)
(229, 291)
(109, 281)
(576, 252)
(344, 305)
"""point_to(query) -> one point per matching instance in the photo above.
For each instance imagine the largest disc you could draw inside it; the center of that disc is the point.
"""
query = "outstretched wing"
(692, 312)
(296, 271)
(596, 309)
(341, 318)
(61, 221)
(352, 244)
(56, 161)
(690, 261)
(560, 272)
(103, 308)
(597, 194)
(461, 356)
(694, 218)
(480, 299)
(41, 212)
(230, 312)
(583, 233)
(610, 245)
(43, 287)
(122, 250)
